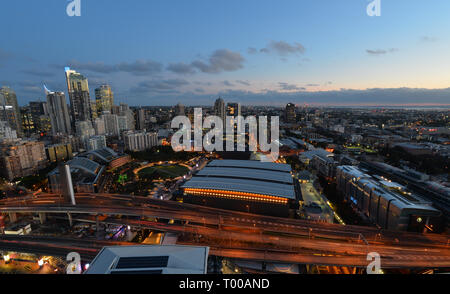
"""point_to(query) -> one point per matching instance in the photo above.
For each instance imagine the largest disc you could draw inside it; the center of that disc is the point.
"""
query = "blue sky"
(251, 51)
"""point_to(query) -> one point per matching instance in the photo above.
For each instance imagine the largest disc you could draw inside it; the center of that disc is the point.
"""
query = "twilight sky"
(160, 52)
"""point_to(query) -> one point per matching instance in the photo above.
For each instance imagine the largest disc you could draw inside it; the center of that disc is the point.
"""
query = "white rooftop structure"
(255, 174)
(106, 154)
(247, 176)
(150, 259)
(251, 164)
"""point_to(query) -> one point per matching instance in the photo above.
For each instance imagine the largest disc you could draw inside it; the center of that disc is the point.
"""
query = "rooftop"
(247, 176)
(150, 259)
(253, 164)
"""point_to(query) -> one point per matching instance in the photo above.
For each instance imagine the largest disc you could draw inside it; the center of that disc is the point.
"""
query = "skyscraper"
(104, 98)
(124, 110)
(84, 131)
(80, 102)
(94, 111)
(290, 113)
(58, 112)
(6, 133)
(10, 109)
(219, 109)
(179, 109)
(99, 126)
(28, 125)
(139, 140)
(140, 119)
(111, 124)
(39, 115)
(21, 158)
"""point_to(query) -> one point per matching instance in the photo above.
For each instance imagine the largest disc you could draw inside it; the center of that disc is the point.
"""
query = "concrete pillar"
(66, 183)
(70, 219)
(42, 217)
(13, 217)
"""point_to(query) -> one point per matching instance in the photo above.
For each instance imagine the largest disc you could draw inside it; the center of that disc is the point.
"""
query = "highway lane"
(241, 240)
(141, 206)
(61, 247)
(227, 224)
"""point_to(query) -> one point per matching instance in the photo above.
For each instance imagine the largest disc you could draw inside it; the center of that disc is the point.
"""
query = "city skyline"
(322, 53)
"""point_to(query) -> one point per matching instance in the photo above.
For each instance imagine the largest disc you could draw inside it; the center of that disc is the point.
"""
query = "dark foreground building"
(244, 185)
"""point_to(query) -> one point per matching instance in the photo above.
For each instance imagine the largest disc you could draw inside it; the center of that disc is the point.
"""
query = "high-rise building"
(179, 109)
(78, 89)
(290, 113)
(94, 109)
(28, 125)
(99, 126)
(219, 109)
(111, 124)
(95, 143)
(40, 116)
(58, 112)
(38, 108)
(104, 98)
(59, 152)
(21, 158)
(43, 124)
(140, 119)
(84, 131)
(122, 121)
(128, 113)
(115, 109)
(10, 109)
(6, 133)
(234, 109)
(139, 140)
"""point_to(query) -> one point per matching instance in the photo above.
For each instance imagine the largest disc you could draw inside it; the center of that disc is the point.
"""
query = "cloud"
(245, 83)
(39, 73)
(138, 67)
(141, 67)
(228, 83)
(290, 87)
(29, 87)
(373, 96)
(203, 83)
(312, 85)
(160, 86)
(221, 60)
(283, 48)
(181, 68)
(427, 39)
(252, 50)
(378, 52)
